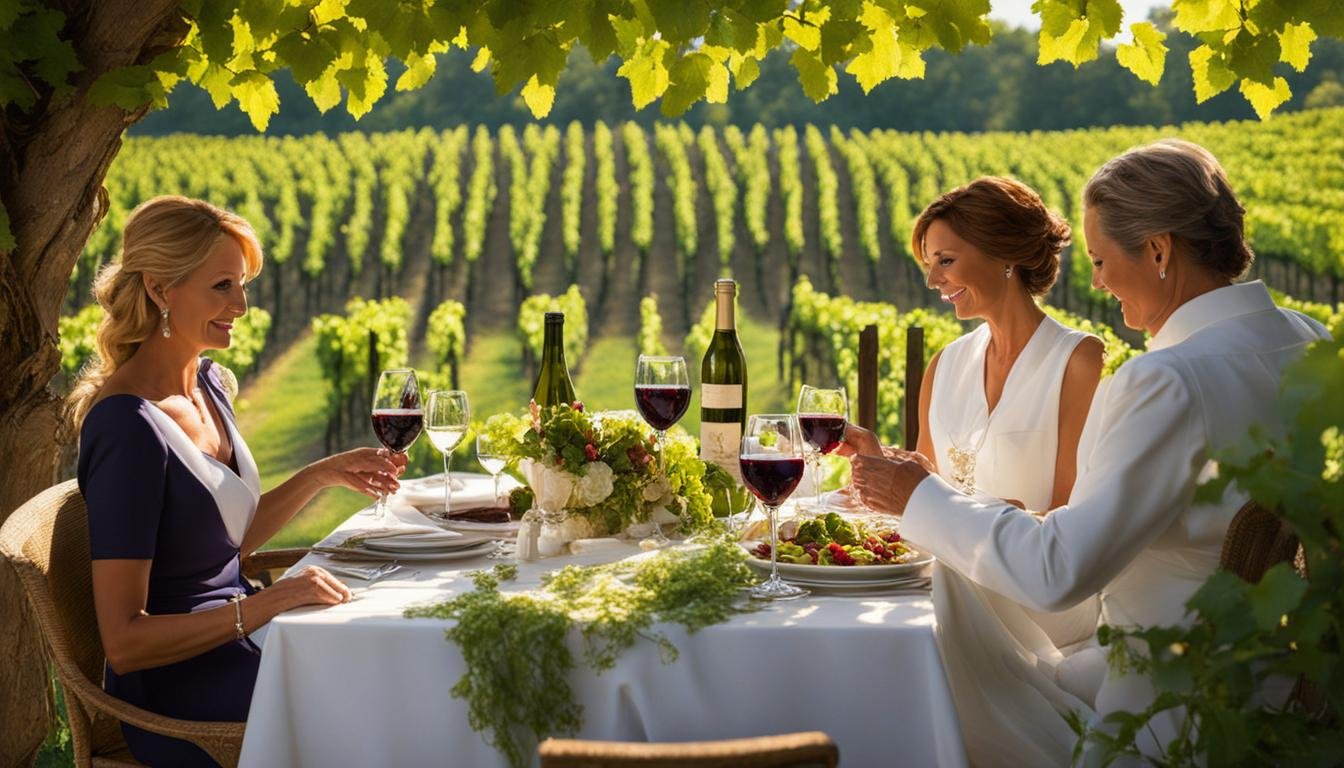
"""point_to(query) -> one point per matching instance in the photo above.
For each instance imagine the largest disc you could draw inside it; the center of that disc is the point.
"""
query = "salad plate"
(830, 575)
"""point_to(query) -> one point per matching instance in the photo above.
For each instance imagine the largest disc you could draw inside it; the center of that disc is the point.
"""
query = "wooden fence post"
(914, 378)
(868, 378)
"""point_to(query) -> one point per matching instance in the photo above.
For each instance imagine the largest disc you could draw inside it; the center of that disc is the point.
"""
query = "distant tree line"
(995, 87)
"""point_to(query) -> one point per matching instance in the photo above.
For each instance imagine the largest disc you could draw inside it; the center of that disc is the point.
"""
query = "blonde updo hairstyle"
(166, 238)
(1177, 187)
(1007, 221)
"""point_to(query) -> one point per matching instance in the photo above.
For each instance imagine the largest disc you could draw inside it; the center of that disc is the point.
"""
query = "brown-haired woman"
(1002, 407)
(1000, 412)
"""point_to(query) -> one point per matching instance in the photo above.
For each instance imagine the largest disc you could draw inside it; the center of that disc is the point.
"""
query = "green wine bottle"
(553, 385)
(723, 386)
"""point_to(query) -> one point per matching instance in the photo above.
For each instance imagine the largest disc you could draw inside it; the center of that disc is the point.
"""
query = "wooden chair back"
(810, 749)
(914, 379)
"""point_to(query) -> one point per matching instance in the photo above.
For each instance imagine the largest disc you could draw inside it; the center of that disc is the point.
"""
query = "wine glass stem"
(816, 477)
(662, 445)
(447, 484)
(770, 511)
(496, 476)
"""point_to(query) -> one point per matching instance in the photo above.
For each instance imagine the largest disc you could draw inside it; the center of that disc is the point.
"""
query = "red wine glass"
(772, 464)
(397, 419)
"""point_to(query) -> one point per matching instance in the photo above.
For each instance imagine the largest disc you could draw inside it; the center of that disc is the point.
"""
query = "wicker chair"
(811, 749)
(1256, 541)
(47, 542)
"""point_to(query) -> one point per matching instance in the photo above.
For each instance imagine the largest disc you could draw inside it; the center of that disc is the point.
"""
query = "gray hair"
(1177, 187)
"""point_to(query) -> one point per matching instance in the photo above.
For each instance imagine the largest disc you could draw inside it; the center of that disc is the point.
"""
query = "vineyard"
(421, 247)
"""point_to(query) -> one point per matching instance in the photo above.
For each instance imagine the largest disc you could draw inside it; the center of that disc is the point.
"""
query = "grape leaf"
(688, 79)
(1295, 44)
(680, 21)
(806, 35)
(1211, 75)
(325, 91)
(818, 79)
(1196, 16)
(9, 13)
(257, 97)
(1146, 57)
(745, 70)
(961, 22)
(307, 57)
(717, 90)
(1068, 36)
(418, 71)
(1279, 592)
(539, 97)
(364, 85)
(646, 72)
(882, 61)
(129, 88)
(1264, 98)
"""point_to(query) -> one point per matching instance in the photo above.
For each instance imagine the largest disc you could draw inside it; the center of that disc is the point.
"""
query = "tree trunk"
(52, 164)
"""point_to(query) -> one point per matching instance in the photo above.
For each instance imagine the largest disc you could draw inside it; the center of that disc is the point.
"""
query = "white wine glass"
(490, 458)
(446, 420)
(822, 416)
(772, 464)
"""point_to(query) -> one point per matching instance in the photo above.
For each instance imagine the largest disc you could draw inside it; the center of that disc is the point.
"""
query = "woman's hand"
(370, 471)
(885, 485)
(311, 586)
(859, 442)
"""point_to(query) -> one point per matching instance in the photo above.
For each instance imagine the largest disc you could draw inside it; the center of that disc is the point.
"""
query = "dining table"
(358, 684)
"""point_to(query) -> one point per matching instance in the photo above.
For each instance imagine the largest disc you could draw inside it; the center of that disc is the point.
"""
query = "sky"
(1018, 13)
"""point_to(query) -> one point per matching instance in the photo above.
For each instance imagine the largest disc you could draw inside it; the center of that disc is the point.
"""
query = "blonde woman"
(172, 492)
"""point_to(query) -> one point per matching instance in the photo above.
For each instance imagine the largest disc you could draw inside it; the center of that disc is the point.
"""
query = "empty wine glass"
(490, 458)
(447, 421)
(662, 393)
(397, 419)
(822, 414)
(772, 464)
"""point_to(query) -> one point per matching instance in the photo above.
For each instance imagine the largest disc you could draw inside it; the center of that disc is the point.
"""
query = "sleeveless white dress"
(987, 640)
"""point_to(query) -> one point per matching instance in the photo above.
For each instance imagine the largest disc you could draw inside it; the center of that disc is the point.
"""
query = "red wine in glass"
(662, 405)
(397, 428)
(772, 478)
(823, 430)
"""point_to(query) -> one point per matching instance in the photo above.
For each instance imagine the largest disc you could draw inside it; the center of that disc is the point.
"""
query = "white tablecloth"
(358, 685)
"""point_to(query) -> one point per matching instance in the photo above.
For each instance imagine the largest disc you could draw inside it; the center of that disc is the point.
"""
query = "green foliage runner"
(515, 643)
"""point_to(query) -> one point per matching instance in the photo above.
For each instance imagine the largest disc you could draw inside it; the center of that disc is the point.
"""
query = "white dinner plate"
(398, 545)
(867, 575)
(360, 553)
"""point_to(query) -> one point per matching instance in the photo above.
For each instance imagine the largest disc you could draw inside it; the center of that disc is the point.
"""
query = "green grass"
(282, 412)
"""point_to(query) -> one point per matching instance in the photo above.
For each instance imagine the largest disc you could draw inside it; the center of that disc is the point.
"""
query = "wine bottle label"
(720, 443)
(721, 396)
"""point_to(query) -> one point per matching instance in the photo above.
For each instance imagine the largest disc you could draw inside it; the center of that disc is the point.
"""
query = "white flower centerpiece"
(597, 474)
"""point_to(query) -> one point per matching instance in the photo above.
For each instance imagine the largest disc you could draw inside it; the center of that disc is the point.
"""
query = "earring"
(164, 315)
(1008, 272)
(1162, 274)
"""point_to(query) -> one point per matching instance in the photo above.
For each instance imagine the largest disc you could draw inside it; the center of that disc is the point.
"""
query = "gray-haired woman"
(1165, 235)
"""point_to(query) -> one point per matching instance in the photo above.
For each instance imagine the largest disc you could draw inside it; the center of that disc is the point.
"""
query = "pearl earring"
(164, 315)
(1008, 272)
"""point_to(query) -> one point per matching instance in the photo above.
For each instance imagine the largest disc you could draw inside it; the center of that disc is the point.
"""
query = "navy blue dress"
(153, 495)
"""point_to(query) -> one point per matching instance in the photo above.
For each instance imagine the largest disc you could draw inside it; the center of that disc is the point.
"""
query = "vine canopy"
(679, 51)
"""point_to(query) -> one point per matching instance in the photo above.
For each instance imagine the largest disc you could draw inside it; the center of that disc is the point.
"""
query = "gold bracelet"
(237, 601)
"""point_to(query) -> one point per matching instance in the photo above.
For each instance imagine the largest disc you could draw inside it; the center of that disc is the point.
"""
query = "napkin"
(471, 491)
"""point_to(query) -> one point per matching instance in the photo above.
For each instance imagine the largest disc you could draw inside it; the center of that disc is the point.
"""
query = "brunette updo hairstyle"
(1006, 220)
(1176, 187)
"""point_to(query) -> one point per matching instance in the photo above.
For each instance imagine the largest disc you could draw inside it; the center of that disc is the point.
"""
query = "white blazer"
(1130, 531)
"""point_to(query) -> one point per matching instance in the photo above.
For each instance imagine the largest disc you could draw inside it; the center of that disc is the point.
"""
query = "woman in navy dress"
(173, 495)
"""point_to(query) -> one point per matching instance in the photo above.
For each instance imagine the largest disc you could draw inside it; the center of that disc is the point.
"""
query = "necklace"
(963, 463)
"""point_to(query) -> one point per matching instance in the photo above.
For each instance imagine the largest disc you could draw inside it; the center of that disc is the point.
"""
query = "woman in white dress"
(1165, 234)
(1000, 411)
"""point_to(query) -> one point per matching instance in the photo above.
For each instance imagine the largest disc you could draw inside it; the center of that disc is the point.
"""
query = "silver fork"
(366, 574)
